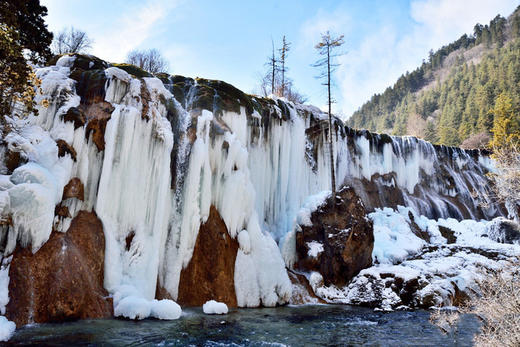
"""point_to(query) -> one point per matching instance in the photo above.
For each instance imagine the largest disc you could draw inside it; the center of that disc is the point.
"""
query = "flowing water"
(320, 325)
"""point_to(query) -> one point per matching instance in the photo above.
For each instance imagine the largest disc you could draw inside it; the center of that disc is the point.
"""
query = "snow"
(439, 269)
(129, 303)
(393, 239)
(7, 329)
(315, 248)
(214, 307)
(310, 205)
(244, 241)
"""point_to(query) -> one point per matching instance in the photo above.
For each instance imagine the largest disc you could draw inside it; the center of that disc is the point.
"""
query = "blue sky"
(231, 39)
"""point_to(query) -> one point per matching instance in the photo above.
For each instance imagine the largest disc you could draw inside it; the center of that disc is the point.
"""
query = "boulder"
(74, 189)
(302, 292)
(340, 240)
(63, 280)
(65, 148)
(210, 275)
(504, 231)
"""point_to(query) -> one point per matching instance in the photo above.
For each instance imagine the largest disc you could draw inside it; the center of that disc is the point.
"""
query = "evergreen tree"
(25, 17)
(506, 125)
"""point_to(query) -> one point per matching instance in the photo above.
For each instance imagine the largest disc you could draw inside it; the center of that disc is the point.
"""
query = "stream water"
(320, 325)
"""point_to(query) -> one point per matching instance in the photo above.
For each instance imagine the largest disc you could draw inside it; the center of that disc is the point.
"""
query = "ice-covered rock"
(214, 307)
(504, 231)
(334, 237)
(410, 273)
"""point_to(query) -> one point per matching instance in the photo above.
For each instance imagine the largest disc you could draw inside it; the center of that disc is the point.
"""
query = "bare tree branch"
(71, 41)
(150, 60)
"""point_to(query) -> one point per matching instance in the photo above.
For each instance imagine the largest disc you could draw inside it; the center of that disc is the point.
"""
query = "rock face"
(302, 292)
(63, 280)
(211, 271)
(339, 243)
(505, 231)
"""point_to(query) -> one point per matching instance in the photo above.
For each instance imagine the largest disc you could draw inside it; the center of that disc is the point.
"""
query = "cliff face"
(170, 164)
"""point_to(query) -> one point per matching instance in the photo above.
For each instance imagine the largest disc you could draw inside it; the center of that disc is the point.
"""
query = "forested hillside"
(462, 95)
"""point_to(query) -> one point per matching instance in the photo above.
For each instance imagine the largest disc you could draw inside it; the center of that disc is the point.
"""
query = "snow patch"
(315, 248)
(214, 307)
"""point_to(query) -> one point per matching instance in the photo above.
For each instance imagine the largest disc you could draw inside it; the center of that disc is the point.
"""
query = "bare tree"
(71, 41)
(507, 178)
(326, 64)
(286, 46)
(272, 63)
(150, 60)
(292, 94)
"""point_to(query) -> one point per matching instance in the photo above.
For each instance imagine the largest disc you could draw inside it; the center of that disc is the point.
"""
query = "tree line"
(461, 106)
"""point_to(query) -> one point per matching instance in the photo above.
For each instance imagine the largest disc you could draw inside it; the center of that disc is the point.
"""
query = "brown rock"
(97, 128)
(65, 148)
(62, 211)
(13, 160)
(76, 116)
(448, 234)
(211, 272)
(98, 114)
(62, 281)
(417, 230)
(302, 291)
(346, 235)
(74, 189)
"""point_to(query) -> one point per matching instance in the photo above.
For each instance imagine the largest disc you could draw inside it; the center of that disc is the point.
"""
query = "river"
(310, 325)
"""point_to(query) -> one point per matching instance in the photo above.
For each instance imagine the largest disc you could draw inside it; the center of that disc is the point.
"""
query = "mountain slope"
(450, 98)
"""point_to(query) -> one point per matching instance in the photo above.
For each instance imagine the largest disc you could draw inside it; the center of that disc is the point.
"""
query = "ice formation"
(163, 163)
(214, 307)
(435, 270)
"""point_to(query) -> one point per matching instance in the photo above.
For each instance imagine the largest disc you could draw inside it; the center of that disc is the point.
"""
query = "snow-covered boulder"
(214, 307)
(504, 231)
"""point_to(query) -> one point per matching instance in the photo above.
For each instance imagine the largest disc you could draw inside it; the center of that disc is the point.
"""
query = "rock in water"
(64, 279)
(340, 240)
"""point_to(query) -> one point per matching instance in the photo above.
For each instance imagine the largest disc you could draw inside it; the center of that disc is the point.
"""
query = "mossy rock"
(52, 61)
(88, 62)
(82, 61)
(164, 77)
(133, 70)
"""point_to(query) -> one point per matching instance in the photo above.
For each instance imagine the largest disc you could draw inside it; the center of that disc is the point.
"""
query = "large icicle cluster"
(163, 163)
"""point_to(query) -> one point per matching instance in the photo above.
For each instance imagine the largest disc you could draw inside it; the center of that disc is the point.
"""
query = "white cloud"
(131, 29)
(383, 55)
(115, 27)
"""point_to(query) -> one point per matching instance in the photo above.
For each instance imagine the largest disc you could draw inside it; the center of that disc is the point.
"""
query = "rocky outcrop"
(74, 189)
(65, 148)
(63, 280)
(211, 271)
(340, 240)
(505, 231)
(302, 292)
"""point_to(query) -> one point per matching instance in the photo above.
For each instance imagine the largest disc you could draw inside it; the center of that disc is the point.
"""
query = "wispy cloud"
(131, 29)
(116, 27)
(384, 54)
